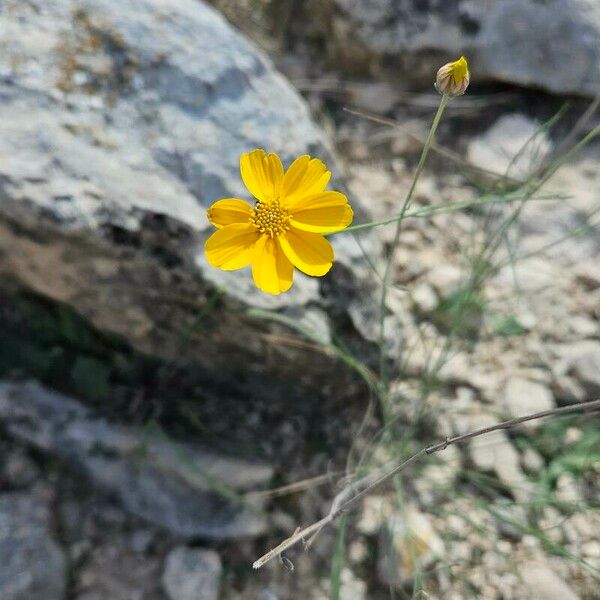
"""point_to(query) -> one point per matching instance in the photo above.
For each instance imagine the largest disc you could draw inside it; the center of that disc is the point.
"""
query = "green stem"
(426, 211)
(388, 266)
(338, 561)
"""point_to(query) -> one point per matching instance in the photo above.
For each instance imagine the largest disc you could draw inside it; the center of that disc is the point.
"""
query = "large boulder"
(553, 44)
(120, 123)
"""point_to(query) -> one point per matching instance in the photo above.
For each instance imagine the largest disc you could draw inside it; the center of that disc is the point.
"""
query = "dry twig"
(357, 490)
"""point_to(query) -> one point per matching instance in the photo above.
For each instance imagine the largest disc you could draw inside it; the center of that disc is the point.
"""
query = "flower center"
(270, 218)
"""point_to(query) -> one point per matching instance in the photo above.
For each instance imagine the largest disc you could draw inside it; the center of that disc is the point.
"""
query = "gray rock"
(510, 519)
(17, 469)
(591, 549)
(588, 274)
(513, 146)
(121, 123)
(405, 541)
(32, 565)
(554, 45)
(569, 490)
(585, 367)
(446, 278)
(541, 581)
(524, 396)
(532, 461)
(570, 221)
(494, 452)
(425, 298)
(192, 574)
(529, 43)
(111, 570)
(181, 488)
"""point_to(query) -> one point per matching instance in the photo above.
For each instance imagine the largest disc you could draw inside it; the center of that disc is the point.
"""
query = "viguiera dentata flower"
(453, 78)
(285, 228)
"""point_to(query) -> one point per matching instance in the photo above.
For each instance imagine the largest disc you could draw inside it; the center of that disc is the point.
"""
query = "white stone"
(524, 396)
(407, 537)
(192, 574)
(586, 367)
(375, 510)
(568, 489)
(358, 552)
(543, 583)
(445, 278)
(424, 298)
(591, 549)
(509, 137)
(532, 460)
(351, 587)
(494, 452)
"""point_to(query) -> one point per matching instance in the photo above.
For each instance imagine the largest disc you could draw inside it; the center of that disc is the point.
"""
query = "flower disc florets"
(270, 218)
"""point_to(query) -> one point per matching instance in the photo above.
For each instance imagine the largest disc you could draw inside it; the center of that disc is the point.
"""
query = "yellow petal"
(227, 211)
(272, 271)
(232, 247)
(322, 213)
(262, 174)
(306, 176)
(309, 252)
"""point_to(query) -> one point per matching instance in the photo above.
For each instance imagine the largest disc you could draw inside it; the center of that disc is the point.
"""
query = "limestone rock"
(121, 123)
(554, 45)
(32, 565)
(513, 146)
(585, 367)
(192, 574)
(543, 223)
(404, 539)
(578, 365)
(494, 452)
(524, 396)
(541, 581)
(532, 461)
(425, 298)
(181, 488)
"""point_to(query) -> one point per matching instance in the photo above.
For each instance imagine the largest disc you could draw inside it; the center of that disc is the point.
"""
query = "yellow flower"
(453, 78)
(286, 226)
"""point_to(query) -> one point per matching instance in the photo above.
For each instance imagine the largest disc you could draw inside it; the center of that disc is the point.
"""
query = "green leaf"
(506, 325)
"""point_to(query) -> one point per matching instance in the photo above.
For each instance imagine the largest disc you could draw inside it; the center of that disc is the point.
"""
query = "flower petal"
(306, 176)
(227, 211)
(309, 252)
(262, 174)
(272, 271)
(232, 247)
(322, 213)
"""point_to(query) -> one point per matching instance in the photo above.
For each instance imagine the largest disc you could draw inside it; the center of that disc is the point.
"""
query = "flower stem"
(388, 267)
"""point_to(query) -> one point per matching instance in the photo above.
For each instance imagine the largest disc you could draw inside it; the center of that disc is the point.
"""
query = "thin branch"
(293, 488)
(349, 496)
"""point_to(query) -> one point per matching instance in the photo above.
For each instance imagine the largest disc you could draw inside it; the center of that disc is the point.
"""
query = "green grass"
(464, 318)
(337, 562)
(61, 349)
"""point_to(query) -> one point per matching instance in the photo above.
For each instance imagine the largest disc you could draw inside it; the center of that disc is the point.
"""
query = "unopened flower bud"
(453, 78)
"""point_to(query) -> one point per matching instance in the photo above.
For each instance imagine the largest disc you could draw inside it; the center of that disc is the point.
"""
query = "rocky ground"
(131, 486)
(502, 512)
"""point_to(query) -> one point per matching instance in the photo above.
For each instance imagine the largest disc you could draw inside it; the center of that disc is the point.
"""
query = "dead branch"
(357, 490)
